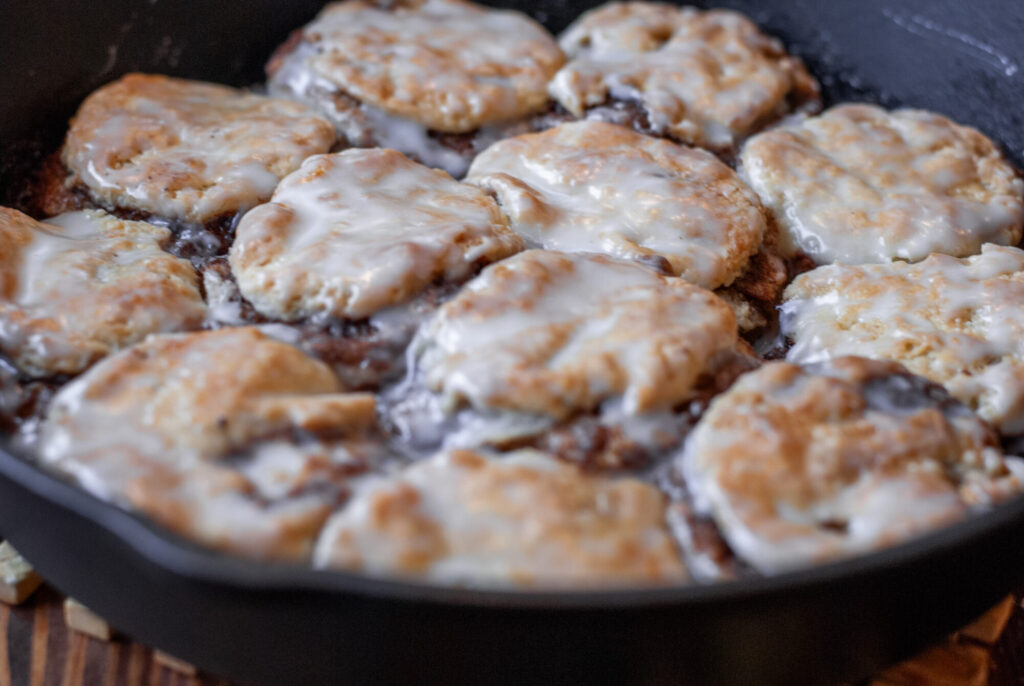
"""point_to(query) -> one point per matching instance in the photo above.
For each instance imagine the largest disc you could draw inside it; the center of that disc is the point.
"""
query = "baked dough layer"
(555, 333)
(520, 519)
(958, 322)
(799, 466)
(859, 184)
(352, 233)
(85, 284)
(598, 187)
(449, 65)
(187, 150)
(230, 437)
(708, 78)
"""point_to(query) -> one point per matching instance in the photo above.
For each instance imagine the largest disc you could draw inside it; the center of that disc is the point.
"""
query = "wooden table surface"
(37, 649)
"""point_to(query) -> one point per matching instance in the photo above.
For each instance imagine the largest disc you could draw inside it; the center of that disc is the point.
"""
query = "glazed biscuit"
(187, 150)
(955, 321)
(85, 284)
(554, 334)
(597, 187)
(461, 67)
(230, 437)
(355, 232)
(521, 519)
(802, 465)
(707, 78)
(862, 185)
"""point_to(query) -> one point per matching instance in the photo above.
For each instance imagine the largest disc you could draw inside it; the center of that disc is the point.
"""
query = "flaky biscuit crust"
(706, 78)
(520, 519)
(84, 285)
(187, 150)
(802, 465)
(955, 321)
(164, 427)
(460, 66)
(557, 333)
(355, 232)
(598, 187)
(860, 185)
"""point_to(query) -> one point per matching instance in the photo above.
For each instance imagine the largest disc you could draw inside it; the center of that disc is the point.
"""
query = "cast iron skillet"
(282, 625)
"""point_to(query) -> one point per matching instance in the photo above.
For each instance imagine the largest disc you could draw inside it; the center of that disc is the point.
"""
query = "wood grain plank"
(990, 626)
(113, 657)
(5, 658)
(74, 662)
(136, 665)
(40, 641)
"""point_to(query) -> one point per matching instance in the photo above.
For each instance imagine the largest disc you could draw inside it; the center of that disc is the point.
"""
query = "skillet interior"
(272, 625)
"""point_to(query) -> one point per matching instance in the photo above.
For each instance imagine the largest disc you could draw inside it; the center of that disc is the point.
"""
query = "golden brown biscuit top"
(187, 150)
(558, 333)
(803, 465)
(449, 65)
(85, 284)
(707, 78)
(355, 232)
(859, 184)
(209, 392)
(597, 187)
(223, 435)
(520, 519)
(955, 321)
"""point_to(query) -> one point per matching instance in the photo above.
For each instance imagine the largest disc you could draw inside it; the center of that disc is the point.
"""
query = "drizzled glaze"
(84, 285)
(448, 65)
(705, 78)
(187, 150)
(958, 322)
(520, 519)
(597, 187)
(352, 233)
(358, 124)
(230, 437)
(553, 334)
(860, 185)
(801, 466)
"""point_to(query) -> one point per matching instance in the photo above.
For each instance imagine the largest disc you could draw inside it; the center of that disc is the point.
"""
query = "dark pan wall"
(965, 59)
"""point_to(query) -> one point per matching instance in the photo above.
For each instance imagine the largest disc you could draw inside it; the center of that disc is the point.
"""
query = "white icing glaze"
(707, 78)
(449, 65)
(188, 150)
(152, 428)
(85, 284)
(799, 467)
(859, 185)
(355, 232)
(554, 334)
(523, 519)
(958, 322)
(359, 124)
(596, 187)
